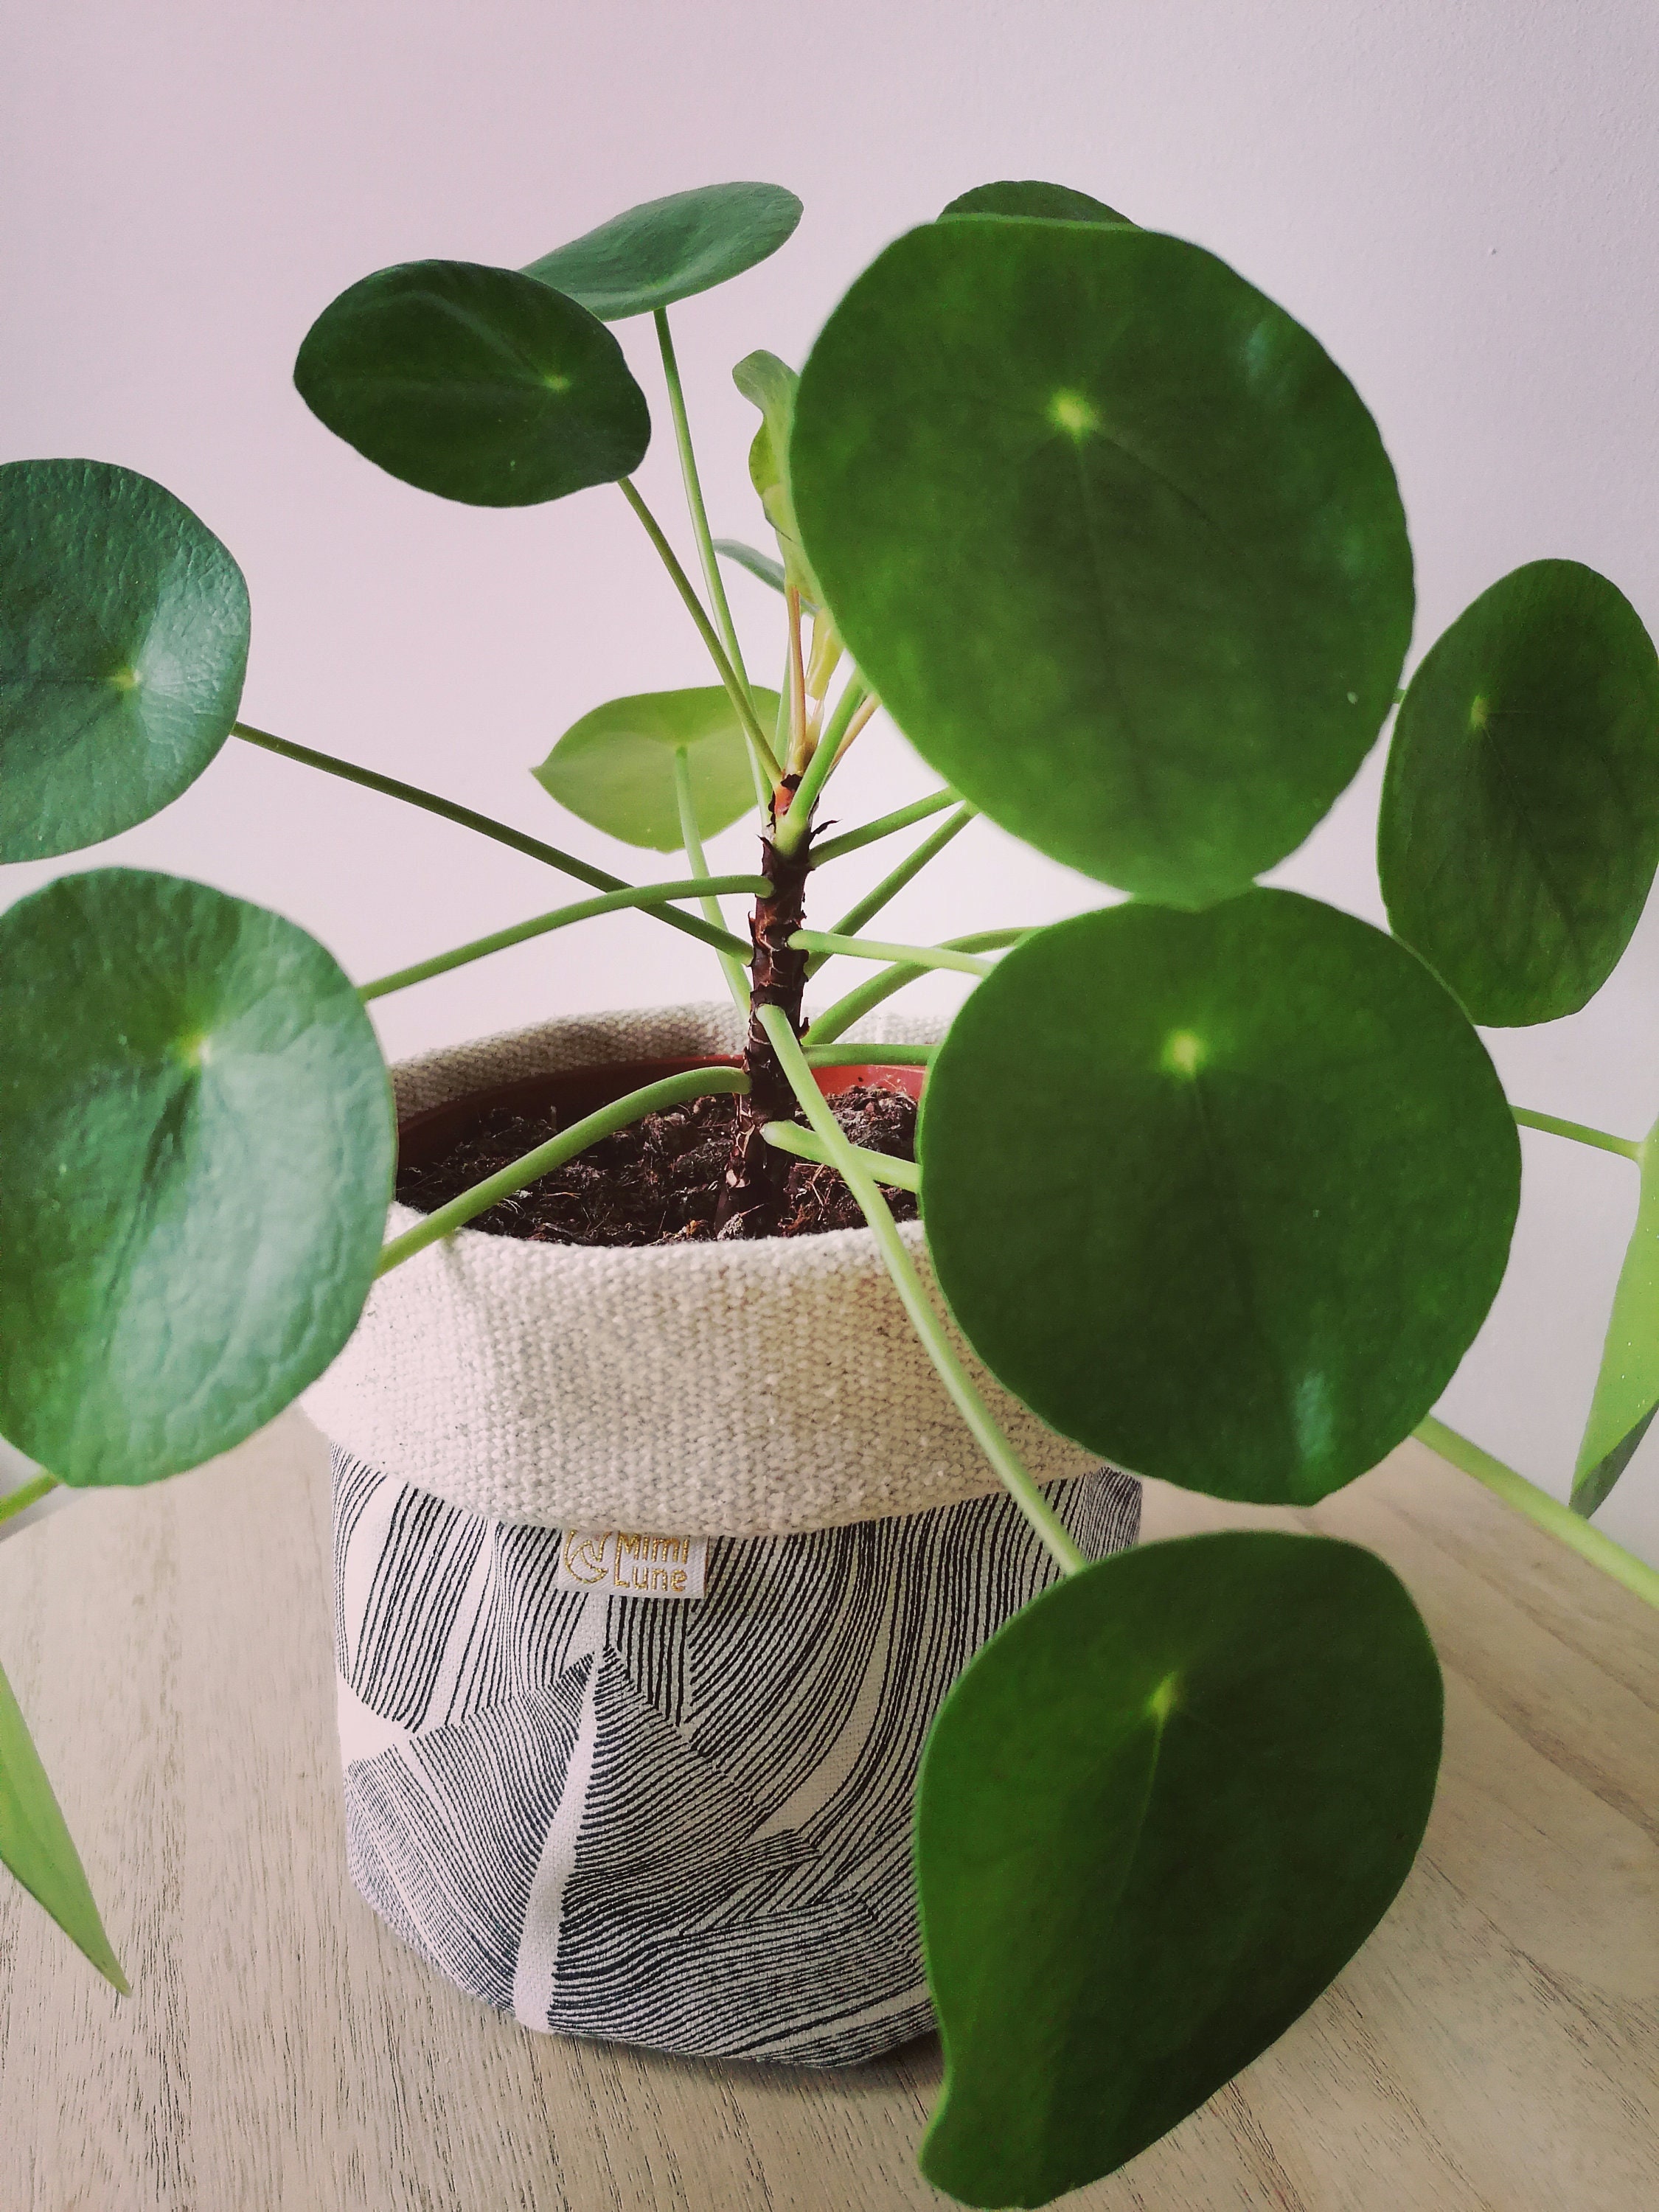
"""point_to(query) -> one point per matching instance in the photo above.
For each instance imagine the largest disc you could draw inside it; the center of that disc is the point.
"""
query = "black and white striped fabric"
(684, 1824)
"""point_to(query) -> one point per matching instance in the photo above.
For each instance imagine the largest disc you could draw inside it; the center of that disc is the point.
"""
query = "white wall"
(1458, 198)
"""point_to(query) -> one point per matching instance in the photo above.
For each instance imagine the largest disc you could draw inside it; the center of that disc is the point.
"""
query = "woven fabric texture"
(752, 1388)
(685, 1825)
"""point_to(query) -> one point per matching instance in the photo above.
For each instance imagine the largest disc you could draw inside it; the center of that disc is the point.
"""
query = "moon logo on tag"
(586, 1558)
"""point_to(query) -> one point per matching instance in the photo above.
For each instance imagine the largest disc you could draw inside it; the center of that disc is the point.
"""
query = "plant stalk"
(19, 1501)
(894, 882)
(737, 692)
(789, 1137)
(412, 795)
(541, 924)
(1629, 1148)
(1550, 1514)
(835, 1020)
(845, 1156)
(826, 942)
(884, 826)
(691, 838)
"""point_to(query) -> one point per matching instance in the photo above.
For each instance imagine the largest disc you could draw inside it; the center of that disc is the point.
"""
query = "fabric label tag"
(622, 1563)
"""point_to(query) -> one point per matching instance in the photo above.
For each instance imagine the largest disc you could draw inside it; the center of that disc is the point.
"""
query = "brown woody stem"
(756, 1172)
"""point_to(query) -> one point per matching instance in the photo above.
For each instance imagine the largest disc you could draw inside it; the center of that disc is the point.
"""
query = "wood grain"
(1494, 2048)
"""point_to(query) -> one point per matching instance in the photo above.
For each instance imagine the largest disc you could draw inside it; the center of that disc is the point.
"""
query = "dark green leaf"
(1054, 202)
(36, 1844)
(1158, 1813)
(1225, 1197)
(1627, 1386)
(1178, 581)
(669, 249)
(615, 767)
(123, 628)
(197, 1130)
(1520, 824)
(750, 557)
(478, 383)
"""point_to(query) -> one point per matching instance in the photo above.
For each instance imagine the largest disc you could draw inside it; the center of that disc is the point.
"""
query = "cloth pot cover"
(682, 1822)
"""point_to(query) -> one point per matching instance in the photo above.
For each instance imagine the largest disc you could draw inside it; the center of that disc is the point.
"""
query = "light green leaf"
(1519, 831)
(1157, 1815)
(1225, 1196)
(198, 1135)
(36, 1844)
(1113, 538)
(123, 632)
(1627, 1386)
(477, 384)
(1029, 197)
(668, 249)
(615, 767)
(769, 384)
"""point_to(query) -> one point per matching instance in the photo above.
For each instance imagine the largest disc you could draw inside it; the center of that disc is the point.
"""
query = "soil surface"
(658, 1182)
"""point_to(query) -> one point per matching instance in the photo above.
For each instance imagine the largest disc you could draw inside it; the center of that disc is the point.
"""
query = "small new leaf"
(615, 767)
(771, 384)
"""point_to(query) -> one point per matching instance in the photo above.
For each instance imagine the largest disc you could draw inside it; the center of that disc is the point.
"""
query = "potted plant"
(679, 1524)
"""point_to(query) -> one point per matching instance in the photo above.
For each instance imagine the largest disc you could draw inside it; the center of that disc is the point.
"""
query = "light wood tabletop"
(1495, 2045)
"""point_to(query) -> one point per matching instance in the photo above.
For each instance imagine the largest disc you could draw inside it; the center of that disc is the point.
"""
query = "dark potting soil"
(657, 1181)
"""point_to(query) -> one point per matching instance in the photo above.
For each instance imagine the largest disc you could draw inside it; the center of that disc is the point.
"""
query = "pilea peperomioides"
(1218, 1180)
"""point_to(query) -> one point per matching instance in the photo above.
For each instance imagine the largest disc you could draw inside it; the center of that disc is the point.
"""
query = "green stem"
(561, 918)
(835, 1020)
(894, 882)
(1630, 1147)
(858, 1054)
(869, 948)
(691, 837)
(737, 692)
(1538, 1505)
(711, 567)
(673, 1090)
(903, 1175)
(848, 1157)
(412, 795)
(793, 828)
(19, 1501)
(884, 826)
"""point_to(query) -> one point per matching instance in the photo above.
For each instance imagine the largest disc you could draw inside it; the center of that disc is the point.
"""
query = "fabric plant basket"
(652, 1568)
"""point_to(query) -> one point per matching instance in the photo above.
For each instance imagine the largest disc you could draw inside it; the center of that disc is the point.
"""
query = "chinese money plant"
(1216, 1178)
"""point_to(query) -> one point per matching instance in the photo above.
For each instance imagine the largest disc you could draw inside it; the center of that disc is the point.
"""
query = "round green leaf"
(1178, 581)
(615, 767)
(478, 383)
(1519, 830)
(1054, 202)
(198, 1135)
(1225, 1196)
(1157, 1815)
(667, 250)
(124, 631)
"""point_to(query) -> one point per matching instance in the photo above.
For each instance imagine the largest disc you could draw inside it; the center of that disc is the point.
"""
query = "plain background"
(1458, 199)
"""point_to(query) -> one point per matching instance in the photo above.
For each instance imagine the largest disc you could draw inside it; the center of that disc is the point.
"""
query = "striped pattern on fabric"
(679, 1824)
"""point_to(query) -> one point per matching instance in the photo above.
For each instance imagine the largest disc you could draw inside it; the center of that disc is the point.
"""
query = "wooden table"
(1495, 2045)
